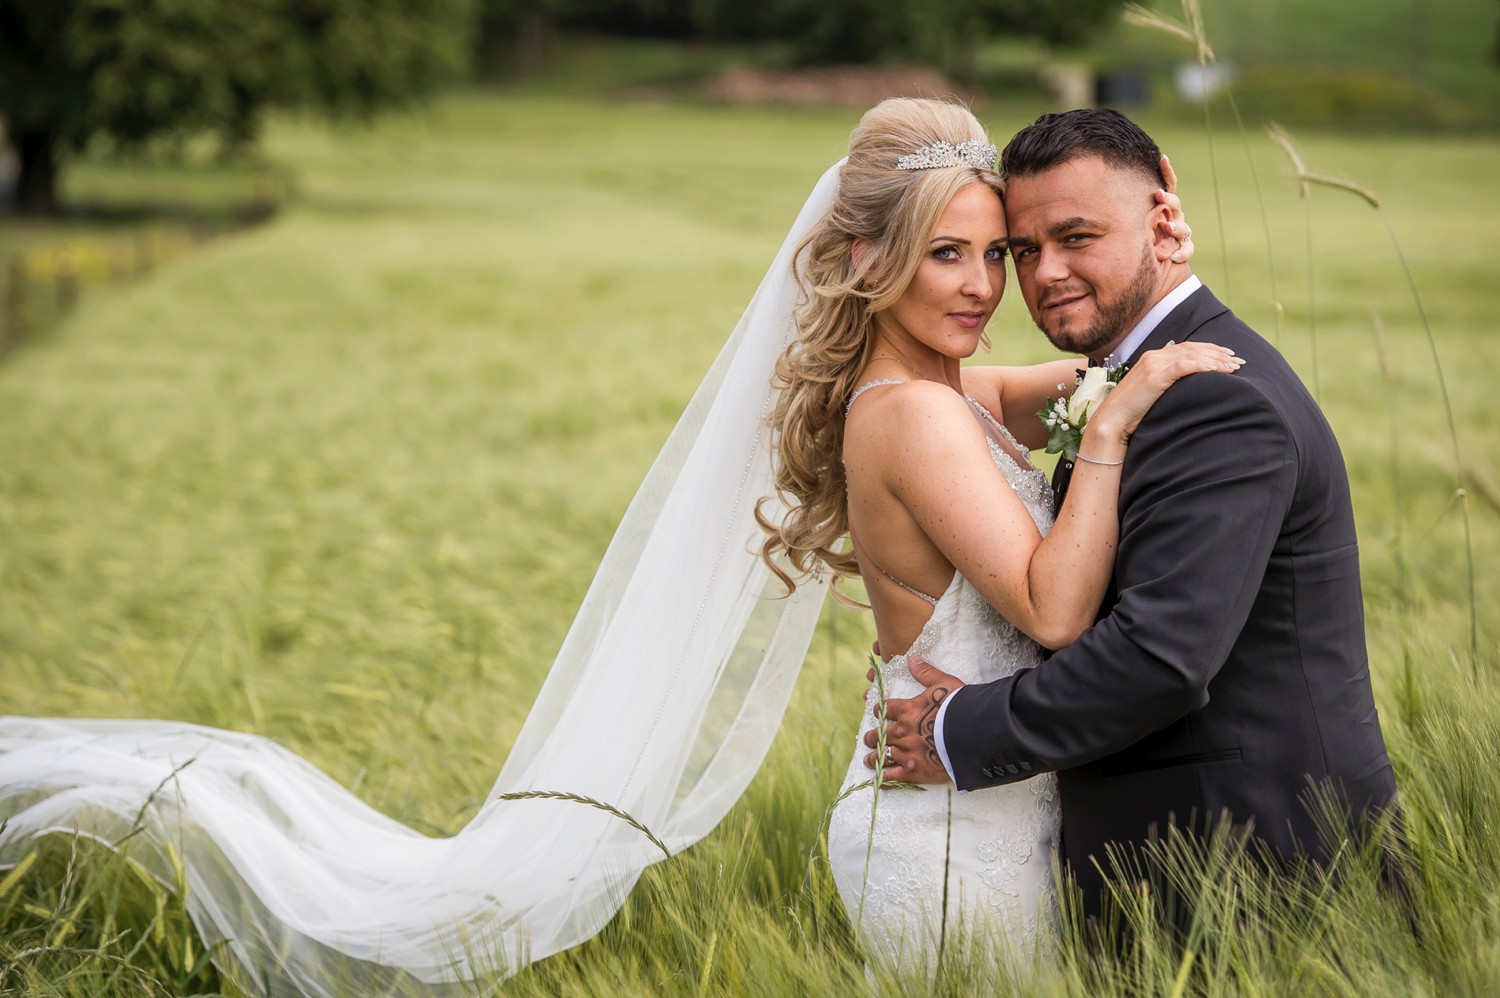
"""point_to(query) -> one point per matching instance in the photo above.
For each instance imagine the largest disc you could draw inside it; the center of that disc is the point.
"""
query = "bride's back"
(891, 434)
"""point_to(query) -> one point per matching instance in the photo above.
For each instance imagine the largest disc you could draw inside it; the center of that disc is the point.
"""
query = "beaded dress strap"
(1021, 459)
(865, 557)
(867, 386)
(915, 592)
(983, 412)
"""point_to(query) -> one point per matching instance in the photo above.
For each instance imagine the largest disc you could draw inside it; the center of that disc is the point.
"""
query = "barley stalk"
(1304, 187)
(1141, 17)
(877, 783)
(1403, 600)
(138, 824)
(1306, 178)
(591, 802)
(867, 784)
(1193, 33)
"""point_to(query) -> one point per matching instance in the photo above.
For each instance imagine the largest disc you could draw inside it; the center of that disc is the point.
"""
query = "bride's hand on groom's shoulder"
(1175, 226)
(910, 742)
(1117, 417)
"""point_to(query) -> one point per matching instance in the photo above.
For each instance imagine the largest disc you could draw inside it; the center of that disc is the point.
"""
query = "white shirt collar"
(1125, 352)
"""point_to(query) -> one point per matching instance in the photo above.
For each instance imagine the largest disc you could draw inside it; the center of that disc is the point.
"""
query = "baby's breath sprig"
(1066, 416)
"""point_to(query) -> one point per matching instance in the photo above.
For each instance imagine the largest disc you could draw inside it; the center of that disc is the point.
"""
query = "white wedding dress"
(996, 844)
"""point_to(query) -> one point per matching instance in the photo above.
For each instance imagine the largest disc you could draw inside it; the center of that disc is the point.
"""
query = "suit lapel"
(1183, 322)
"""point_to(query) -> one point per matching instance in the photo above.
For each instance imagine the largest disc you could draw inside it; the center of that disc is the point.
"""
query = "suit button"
(1012, 769)
(1026, 767)
(989, 773)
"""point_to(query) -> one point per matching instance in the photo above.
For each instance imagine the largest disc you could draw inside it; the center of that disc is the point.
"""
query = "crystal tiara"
(971, 152)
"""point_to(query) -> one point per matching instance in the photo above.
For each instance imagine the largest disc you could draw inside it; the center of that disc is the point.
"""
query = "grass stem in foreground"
(1412, 707)
(591, 802)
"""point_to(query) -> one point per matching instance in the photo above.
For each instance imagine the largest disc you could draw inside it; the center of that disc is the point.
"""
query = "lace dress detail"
(997, 842)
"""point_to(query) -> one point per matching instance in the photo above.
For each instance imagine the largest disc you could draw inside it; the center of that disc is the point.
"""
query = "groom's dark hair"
(1054, 139)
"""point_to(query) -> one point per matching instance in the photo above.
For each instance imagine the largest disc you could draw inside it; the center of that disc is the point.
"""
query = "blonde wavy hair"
(856, 263)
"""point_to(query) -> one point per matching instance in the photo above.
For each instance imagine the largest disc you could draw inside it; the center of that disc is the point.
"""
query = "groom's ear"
(1163, 243)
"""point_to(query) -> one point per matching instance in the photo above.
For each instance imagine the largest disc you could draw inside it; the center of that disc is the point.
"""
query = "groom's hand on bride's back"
(911, 745)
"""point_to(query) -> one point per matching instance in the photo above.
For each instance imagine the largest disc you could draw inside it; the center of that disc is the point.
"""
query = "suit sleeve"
(1210, 480)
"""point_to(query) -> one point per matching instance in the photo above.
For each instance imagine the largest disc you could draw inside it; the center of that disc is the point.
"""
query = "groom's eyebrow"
(1069, 224)
(1020, 240)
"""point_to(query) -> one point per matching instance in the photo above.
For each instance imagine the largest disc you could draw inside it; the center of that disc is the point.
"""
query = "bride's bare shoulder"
(889, 420)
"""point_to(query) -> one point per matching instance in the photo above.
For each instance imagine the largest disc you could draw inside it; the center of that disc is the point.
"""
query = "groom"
(1226, 677)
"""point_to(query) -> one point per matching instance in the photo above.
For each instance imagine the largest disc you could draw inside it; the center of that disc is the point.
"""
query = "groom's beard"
(1112, 318)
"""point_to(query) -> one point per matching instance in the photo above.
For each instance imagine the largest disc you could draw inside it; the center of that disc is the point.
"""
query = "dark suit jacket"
(1227, 671)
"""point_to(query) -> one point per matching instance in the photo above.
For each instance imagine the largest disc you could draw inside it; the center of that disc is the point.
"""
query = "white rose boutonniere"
(1066, 417)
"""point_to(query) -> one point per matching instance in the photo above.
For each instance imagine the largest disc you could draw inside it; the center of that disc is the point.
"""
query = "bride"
(924, 468)
(300, 887)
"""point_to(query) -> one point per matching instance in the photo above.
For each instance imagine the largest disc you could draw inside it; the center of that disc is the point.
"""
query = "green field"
(342, 480)
(1415, 64)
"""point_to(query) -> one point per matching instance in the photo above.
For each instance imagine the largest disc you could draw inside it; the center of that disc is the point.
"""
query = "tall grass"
(1306, 180)
(342, 481)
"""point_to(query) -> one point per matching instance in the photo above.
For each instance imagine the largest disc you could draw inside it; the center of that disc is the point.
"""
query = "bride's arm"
(936, 462)
(1018, 392)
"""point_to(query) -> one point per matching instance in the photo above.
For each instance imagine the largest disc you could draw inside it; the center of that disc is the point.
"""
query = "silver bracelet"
(1106, 464)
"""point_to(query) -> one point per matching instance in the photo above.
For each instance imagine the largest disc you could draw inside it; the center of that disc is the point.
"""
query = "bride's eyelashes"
(952, 252)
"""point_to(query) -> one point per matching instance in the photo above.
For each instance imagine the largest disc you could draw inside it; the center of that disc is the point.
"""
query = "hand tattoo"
(927, 723)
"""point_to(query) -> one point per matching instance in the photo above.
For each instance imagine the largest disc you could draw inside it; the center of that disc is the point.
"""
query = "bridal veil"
(662, 702)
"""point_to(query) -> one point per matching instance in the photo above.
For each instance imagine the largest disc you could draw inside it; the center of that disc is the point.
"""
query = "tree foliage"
(850, 31)
(137, 71)
(812, 31)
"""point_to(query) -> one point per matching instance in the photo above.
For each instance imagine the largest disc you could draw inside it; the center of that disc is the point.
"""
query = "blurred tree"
(858, 31)
(829, 31)
(844, 31)
(137, 71)
(514, 37)
(658, 18)
(1054, 23)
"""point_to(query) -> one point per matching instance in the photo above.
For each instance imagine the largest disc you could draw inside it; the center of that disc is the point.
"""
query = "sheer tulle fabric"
(312, 891)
